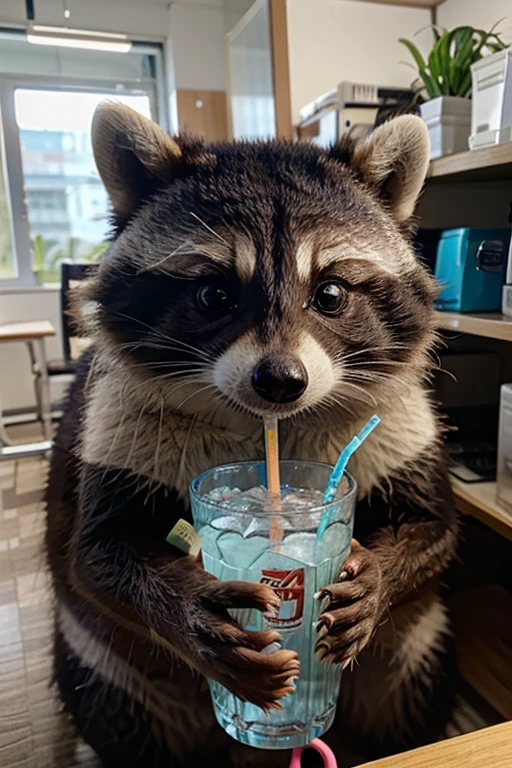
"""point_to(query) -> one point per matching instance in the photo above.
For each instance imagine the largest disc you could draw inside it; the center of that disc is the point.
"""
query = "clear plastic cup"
(236, 545)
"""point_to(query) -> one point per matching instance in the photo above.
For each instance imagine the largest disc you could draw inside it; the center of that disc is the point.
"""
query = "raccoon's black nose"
(280, 379)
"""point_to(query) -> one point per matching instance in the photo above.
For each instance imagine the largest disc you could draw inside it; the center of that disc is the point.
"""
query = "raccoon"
(245, 279)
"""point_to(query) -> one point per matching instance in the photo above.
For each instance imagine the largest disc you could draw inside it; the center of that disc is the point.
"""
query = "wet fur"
(140, 622)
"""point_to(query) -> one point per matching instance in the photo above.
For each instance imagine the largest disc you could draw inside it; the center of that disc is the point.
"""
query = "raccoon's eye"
(214, 298)
(330, 298)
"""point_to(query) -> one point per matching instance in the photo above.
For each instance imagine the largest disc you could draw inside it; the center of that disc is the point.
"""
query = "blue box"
(470, 269)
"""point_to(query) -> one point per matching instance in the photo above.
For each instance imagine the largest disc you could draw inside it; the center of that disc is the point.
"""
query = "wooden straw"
(273, 479)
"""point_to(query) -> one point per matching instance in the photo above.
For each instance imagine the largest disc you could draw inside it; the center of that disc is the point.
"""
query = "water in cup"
(234, 523)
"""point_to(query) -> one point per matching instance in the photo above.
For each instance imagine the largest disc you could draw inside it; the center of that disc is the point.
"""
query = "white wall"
(334, 40)
(197, 33)
(16, 383)
(477, 13)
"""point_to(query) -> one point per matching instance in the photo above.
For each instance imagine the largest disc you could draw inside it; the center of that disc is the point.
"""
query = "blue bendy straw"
(339, 469)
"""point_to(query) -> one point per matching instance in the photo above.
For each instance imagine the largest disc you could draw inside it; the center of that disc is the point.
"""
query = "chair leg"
(4, 439)
(43, 387)
(37, 382)
(39, 403)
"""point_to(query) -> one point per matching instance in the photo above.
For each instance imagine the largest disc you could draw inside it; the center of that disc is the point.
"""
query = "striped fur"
(167, 391)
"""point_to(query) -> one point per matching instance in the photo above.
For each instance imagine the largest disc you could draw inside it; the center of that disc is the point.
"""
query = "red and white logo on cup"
(289, 587)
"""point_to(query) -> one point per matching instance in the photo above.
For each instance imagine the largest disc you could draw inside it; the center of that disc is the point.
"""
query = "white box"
(492, 99)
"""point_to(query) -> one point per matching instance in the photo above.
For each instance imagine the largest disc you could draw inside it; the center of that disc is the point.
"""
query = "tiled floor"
(33, 731)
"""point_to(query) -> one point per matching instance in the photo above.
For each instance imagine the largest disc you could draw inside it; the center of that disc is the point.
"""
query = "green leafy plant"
(97, 252)
(447, 70)
(47, 262)
(39, 253)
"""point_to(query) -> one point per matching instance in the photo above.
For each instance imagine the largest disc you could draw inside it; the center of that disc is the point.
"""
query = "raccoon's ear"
(133, 155)
(394, 160)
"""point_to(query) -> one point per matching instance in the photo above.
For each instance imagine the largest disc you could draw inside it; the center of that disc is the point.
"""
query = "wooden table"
(487, 748)
(33, 334)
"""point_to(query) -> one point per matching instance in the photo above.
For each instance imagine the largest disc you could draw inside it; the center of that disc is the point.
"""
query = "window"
(51, 196)
(7, 265)
(66, 203)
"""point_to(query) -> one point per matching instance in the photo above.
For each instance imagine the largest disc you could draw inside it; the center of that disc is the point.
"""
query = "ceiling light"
(78, 38)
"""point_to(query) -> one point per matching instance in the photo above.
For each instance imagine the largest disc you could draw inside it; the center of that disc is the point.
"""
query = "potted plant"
(444, 83)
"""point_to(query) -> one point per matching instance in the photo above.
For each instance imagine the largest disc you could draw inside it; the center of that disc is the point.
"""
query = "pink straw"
(321, 748)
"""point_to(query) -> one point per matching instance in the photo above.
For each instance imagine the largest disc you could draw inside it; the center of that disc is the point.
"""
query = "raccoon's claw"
(262, 678)
(355, 607)
(252, 665)
(242, 594)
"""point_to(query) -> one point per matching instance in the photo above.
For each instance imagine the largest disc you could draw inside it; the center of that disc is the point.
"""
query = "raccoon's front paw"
(355, 609)
(225, 652)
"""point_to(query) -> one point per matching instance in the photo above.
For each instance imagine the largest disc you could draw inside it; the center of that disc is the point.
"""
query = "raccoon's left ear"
(393, 160)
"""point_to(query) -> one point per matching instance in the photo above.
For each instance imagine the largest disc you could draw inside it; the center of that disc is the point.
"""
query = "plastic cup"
(236, 546)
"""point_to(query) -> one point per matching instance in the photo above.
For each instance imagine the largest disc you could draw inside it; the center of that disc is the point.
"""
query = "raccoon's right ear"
(133, 155)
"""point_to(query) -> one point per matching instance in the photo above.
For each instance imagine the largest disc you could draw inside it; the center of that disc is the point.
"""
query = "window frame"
(11, 149)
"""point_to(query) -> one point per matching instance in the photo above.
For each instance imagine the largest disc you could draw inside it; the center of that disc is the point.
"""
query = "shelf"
(484, 653)
(492, 326)
(485, 164)
(479, 500)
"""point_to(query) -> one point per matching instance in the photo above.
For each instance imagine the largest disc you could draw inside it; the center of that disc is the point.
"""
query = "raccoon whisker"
(375, 377)
(340, 401)
(361, 372)
(185, 364)
(173, 390)
(182, 466)
(366, 350)
(216, 234)
(136, 430)
(189, 365)
(159, 438)
(159, 334)
(174, 374)
(364, 363)
(184, 244)
(195, 356)
(159, 344)
(178, 346)
(367, 398)
(197, 392)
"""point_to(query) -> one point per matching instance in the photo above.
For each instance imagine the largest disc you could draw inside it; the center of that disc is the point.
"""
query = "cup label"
(289, 587)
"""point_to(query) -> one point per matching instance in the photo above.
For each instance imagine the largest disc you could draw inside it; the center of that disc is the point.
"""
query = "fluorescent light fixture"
(78, 38)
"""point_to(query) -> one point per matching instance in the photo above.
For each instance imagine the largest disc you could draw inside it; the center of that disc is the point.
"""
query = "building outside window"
(53, 206)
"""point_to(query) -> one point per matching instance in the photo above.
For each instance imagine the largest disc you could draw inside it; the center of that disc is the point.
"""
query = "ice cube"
(222, 493)
(209, 538)
(258, 493)
(227, 523)
(335, 541)
(300, 547)
(241, 552)
(301, 499)
(244, 504)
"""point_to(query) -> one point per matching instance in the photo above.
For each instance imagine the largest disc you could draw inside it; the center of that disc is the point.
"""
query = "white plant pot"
(448, 119)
